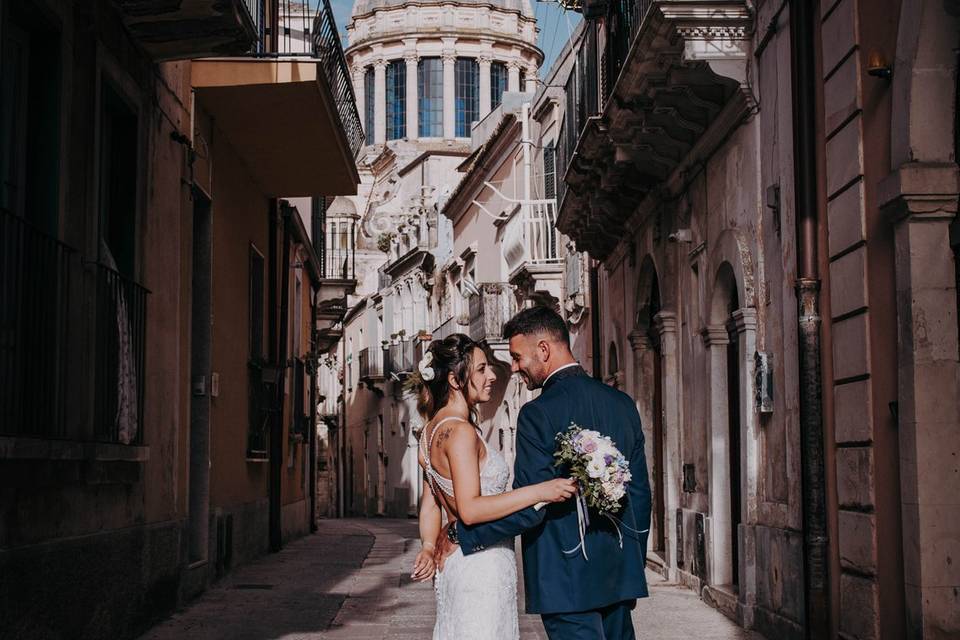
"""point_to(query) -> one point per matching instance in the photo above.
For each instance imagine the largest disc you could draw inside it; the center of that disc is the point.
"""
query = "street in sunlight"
(351, 580)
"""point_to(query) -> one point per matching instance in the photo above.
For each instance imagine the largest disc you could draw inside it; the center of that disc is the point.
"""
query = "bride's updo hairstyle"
(453, 354)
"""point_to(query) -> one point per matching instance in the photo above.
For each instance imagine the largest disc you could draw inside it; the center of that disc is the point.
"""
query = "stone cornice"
(921, 191)
(400, 37)
(715, 335)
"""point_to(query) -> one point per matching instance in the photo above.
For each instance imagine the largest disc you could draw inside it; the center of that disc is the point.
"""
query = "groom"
(576, 597)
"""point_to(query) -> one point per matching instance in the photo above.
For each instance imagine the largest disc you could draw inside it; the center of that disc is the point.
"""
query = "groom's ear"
(543, 349)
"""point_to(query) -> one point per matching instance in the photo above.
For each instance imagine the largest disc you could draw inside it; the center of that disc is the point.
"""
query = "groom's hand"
(444, 546)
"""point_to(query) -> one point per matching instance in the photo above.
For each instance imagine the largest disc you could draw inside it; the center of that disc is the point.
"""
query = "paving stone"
(351, 580)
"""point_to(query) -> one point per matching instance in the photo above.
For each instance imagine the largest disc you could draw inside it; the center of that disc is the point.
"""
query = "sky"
(555, 25)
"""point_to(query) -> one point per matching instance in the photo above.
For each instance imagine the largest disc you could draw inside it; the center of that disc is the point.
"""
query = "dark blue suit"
(566, 583)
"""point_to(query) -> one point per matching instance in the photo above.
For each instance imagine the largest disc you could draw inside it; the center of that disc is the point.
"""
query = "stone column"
(920, 200)
(413, 108)
(449, 89)
(380, 101)
(640, 383)
(485, 97)
(665, 323)
(513, 76)
(531, 79)
(358, 88)
(745, 321)
(716, 340)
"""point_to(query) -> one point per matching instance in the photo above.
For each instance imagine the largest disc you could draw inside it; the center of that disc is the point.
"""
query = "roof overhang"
(280, 116)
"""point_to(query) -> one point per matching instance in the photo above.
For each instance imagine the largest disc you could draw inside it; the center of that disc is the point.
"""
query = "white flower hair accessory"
(426, 371)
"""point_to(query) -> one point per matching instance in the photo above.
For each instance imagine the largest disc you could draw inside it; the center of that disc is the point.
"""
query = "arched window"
(396, 100)
(370, 106)
(430, 97)
(613, 362)
(498, 83)
(467, 95)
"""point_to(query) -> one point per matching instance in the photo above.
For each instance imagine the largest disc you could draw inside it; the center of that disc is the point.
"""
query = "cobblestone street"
(350, 580)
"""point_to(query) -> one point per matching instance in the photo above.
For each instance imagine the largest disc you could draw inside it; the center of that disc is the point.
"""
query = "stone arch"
(731, 247)
(730, 339)
(655, 389)
(924, 82)
(647, 298)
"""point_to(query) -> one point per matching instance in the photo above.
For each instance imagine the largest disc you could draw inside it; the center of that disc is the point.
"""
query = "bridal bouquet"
(595, 461)
(602, 472)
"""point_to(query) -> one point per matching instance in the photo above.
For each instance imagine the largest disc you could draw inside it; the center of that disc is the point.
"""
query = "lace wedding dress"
(476, 594)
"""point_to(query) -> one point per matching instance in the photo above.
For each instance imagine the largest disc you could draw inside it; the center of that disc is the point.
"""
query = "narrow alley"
(350, 580)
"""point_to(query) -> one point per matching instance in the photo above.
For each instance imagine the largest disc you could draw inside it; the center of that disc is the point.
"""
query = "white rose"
(595, 468)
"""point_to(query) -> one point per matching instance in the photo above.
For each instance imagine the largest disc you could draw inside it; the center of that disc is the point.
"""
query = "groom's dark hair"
(536, 320)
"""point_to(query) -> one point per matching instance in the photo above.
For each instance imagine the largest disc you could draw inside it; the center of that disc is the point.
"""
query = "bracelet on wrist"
(428, 545)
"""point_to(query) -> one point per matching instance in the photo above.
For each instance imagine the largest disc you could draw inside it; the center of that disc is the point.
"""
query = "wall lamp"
(878, 67)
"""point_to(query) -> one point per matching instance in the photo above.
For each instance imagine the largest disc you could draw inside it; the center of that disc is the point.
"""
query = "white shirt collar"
(566, 366)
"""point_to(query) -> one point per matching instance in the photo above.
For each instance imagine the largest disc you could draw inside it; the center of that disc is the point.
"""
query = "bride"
(466, 480)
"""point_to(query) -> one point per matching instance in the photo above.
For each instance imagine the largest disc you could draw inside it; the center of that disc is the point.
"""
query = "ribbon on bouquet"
(583, 521)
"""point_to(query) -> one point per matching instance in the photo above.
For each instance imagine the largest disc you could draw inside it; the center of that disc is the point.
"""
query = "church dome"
(364, 7)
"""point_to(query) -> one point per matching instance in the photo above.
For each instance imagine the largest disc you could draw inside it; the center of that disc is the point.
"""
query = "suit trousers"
(612, 622)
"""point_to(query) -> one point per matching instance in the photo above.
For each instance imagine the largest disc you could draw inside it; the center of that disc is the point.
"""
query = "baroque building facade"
(423, 74)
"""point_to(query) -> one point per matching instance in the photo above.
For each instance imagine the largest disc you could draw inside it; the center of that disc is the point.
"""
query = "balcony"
(489, 311)
(668, 88)
(193, 28)
(290, 113)
(403, 356)
(334, 239)
(38, 274)
(371, 363)
(531, 248)
(50, 301)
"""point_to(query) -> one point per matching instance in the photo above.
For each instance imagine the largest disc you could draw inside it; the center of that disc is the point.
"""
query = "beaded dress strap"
(445, 484)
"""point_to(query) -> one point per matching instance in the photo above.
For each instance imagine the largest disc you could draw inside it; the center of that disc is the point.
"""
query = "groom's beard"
(531, 382)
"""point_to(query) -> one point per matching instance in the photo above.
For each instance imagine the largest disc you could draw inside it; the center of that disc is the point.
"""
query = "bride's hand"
(423, 565)
(557, 490)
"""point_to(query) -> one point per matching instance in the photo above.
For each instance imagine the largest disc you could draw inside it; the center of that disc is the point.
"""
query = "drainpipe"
(595, 320)
(815, 539)
(312, 437)
(276, 433)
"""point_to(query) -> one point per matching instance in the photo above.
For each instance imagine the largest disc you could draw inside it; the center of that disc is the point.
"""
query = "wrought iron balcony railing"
(371, 361)
(45, 299)
(328, 47)
(334, 239)
(490, 309)
(38, 274)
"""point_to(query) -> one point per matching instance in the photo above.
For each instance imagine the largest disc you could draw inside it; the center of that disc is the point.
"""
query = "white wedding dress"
(476, 594)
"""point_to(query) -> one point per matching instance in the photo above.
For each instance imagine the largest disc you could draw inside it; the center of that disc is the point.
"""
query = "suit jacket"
(555, 581)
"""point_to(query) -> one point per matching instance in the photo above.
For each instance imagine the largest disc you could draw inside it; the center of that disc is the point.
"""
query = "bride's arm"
(430, 522)
(459, 442)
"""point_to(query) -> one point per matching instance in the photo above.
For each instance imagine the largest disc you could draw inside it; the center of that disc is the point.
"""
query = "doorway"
(200, 369)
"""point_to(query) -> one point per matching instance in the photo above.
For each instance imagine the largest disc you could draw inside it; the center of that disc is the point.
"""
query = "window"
(396, 100)
(118, 182)
(37, 270)
(498, 83)
(523, 79)
(258, 392)
(550, 171)
(430, 97)
(369, 104)
(467, 95)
